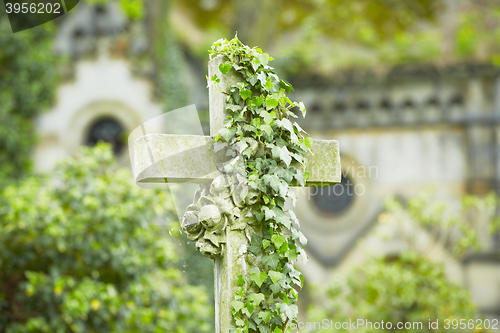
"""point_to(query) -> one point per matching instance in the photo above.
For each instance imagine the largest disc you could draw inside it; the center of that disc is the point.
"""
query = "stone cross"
(168, 158)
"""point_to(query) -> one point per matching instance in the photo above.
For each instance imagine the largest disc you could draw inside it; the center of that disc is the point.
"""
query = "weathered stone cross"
(217, 218)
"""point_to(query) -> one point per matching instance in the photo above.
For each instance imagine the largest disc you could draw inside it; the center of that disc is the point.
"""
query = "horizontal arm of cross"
(169, 158)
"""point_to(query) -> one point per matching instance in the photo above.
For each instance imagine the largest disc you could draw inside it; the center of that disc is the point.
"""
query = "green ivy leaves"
(271, 102)
(257, 276)
(225, 67)
(261, 135)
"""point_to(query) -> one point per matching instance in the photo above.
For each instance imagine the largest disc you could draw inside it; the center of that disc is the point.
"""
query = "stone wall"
(398, 133)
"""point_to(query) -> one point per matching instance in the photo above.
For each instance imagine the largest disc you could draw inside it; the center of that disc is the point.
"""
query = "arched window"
(335, 199)
(108, 130)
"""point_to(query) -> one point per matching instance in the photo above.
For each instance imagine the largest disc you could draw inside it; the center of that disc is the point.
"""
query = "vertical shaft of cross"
(231, 262)
(221, 219)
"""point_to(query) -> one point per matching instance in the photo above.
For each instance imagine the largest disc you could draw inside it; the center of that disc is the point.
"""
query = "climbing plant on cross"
(241, 216)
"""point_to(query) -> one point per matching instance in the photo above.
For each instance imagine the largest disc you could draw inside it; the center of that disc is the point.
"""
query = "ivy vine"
(259, 120)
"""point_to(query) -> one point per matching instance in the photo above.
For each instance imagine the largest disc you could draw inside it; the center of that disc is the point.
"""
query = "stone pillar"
(480, 141)
(231, 262)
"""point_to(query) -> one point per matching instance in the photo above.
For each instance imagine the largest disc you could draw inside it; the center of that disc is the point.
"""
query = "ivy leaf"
(291, 254)
(255, 102)
(302, 109)
(249, 128)
(298, 158)
(253, 79)
(269, 85)
(308, 141)
(255, 64)
(280, 142)
(290, 311)
(215, 78)
(291, 195)
(252, 324)
(272, 181)
(287, 268)
(233, 107)
(265, 243)
(266, 129)
(303, 254)
(263, 59)
(256, 122)
(240, 281)
(283, 188)
(285, 123)
(283, 154)
(297, 234)
(256, 299)
(275, 288)
(262, 78)
(241, 145)
(248, 309)
(264, 329)
(245, 93)
(284, 220)
(239, 323)
(257, 276)
(268, 213)
(275, 276)
(287, 86)
(265, 316)
(227, 133)
(266, 199)
(225, 67)
(302, 239)
(299, 176)
(278, 240)
(237, 306)
(259, 216)
(271, 260)
(296, 277)
(238, 67)
(271, 102)
(268, 117)
(285, 174)
(240, 117)
(294, 217)
(256, 244)
(298, 128)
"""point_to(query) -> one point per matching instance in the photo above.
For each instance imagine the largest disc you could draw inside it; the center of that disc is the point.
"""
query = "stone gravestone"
(218, 220)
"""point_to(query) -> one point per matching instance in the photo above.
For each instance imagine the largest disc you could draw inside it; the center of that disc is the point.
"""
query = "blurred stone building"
(398, 133)
(107, 88)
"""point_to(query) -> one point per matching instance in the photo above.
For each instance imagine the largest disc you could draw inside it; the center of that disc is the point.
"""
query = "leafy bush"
(408, 289)
(84, 250)
(462, 228)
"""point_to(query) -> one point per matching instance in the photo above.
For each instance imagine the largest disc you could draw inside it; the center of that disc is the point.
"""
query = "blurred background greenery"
(83, 249)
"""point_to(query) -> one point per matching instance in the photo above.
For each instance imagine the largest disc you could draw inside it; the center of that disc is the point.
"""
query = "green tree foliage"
(327, 35)
(408, 289)
(320, 34)
(463, 228)
(134, 9)
(27, 83)
(169, 62)
(85, 250)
